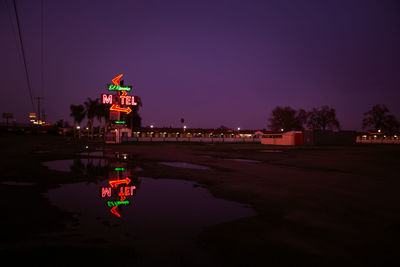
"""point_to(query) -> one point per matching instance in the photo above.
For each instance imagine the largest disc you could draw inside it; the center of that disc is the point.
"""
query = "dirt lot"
(324, 206)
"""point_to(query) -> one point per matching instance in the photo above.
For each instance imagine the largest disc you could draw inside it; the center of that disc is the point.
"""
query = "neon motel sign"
(128, 100)
(121, 101)
(116, 86)
(113, 87)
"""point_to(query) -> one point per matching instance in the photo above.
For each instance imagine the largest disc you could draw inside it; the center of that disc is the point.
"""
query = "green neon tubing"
(117, 203)
(113, 87)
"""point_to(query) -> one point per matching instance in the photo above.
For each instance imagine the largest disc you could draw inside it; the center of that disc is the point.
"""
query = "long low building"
(195, 133)
(377, 137)
(291, 138)
(310, 137)
(152, 134)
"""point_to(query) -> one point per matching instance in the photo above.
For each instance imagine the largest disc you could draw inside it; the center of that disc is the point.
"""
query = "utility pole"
(38, 99)
(44, 115)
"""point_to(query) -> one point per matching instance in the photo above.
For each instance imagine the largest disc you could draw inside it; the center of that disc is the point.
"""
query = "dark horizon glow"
(212, 63)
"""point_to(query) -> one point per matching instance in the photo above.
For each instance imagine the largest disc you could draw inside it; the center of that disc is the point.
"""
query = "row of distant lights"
(395, 136)
(185, 127)
(375, 136)
(177, 133)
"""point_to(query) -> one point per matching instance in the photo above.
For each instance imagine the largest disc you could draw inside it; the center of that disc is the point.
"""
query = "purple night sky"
(211, 62)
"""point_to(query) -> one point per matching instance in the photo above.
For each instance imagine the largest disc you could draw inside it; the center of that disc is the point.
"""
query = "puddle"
(242, 160)
(92, 154)
(107, 154)
(159, 217)
(271, 151)
(185, 165)
(246, 160)
(70, 165)
(138, 169)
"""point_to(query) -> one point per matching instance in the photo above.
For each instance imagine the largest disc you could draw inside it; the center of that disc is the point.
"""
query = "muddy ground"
(316, 206)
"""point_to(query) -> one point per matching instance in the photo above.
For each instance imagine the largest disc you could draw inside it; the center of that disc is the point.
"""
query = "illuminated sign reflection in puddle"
(159, 217)
(120, 188)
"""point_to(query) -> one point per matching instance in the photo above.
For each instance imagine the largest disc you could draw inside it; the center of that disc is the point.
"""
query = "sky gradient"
(211, 62)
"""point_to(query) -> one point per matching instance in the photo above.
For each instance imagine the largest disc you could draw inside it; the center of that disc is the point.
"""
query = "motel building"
(290, 138)
(279, 138)
(150, 134)
(377, 137)
(195, 135)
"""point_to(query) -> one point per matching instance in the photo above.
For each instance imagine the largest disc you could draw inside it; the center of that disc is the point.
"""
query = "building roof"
(201, 130)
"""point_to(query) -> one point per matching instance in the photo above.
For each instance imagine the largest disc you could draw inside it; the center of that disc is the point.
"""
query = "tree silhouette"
(133, 118)
(78, 113)
(91, 106)
(322, 118)
(101, 112)
(286, 118)
(379, 118)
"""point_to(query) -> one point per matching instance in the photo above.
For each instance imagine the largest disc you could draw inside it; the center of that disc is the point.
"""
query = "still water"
(185, 165)
(159, 217)
(246, 160)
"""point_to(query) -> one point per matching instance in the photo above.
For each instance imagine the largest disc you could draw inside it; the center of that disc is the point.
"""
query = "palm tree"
(101, 112)
(78, 113)
(106, 112)
(91, 110)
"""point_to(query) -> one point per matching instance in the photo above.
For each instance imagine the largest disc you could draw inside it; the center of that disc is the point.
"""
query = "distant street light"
(184, 127)
(78, 127)
(238, 128)
(281, 129)
(152, 126)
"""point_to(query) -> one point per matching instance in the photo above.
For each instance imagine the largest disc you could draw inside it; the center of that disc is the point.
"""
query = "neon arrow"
(114, 210)
(114, 183)
(116, 80)
(116, 107)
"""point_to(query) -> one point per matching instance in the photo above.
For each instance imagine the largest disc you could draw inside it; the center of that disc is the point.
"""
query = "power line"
(38, 99)
(13, 29)
(23, 55)
(42, 43)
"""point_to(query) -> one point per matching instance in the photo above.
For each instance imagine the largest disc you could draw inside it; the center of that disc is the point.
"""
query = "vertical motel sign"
(120, 101)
